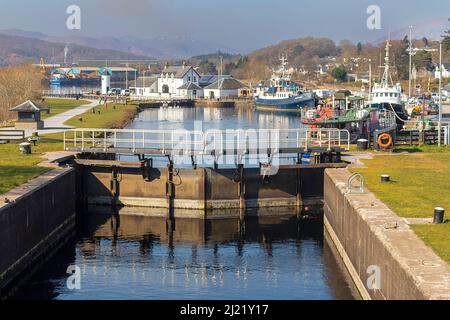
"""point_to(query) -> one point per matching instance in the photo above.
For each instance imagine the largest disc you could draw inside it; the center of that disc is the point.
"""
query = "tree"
(423, 60)
(18, 84)
(401, 58)
(206, 67)
(298, 49)
(425, 42)
(339, 74)
(446, 41)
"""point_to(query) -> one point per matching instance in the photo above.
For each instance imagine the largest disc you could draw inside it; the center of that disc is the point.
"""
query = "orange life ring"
(384, 137)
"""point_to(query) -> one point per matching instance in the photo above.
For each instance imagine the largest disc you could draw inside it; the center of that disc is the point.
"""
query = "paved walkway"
(55, 124)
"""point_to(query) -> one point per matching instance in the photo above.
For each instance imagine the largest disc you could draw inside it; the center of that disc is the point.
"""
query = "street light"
(440, 92)
(410, 59)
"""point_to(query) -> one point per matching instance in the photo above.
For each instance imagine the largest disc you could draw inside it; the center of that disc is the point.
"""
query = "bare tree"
(17, 84)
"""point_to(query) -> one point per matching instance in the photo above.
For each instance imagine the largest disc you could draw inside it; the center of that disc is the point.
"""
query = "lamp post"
(440, 93)
(410, 60)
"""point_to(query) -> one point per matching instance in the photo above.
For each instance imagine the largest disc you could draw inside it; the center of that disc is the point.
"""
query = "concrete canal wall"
(370, 237)
(39, 215)
(199, 189)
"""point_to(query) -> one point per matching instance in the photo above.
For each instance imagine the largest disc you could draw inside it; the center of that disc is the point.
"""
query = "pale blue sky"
(238, 24)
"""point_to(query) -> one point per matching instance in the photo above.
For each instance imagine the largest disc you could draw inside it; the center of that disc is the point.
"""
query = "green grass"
(420, 182)
(58, 106)
(437, 237)
(16, 169)
(111, 117)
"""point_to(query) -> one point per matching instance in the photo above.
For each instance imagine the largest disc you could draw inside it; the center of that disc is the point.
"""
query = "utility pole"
(220, 76)
(370, 82)
(440, 93)
(126, 77)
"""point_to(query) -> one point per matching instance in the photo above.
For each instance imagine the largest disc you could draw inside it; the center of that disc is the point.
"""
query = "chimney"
(166, 65)
(184, 64)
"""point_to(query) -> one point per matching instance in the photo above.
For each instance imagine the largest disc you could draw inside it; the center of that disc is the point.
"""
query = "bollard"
(25, 148)
(362, 144)
(385, 178)
(438, 215)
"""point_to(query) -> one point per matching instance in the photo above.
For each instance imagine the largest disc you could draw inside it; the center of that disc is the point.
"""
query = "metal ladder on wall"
(350, 180)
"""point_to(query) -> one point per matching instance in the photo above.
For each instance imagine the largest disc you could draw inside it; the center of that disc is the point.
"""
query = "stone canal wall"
(39, 215)
(199, 189)
(372, 240)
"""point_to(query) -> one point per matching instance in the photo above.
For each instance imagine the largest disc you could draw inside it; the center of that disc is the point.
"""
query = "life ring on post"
(385, 140)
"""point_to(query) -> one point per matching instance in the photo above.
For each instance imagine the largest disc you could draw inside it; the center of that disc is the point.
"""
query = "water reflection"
(139, 257)
(213, 118)
(208, 119)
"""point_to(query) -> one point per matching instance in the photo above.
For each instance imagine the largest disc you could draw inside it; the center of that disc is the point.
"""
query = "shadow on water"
(123, 256)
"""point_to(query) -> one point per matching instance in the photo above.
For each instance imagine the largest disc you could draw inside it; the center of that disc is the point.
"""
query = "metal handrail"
(169, 139)
(350, 181)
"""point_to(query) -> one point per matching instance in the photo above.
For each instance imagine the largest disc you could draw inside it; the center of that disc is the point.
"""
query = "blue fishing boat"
(282, 94)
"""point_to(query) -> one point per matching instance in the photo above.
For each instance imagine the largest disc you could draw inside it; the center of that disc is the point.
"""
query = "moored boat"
(283, 94)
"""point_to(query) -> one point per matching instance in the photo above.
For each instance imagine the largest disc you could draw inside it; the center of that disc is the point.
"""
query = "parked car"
(125, 92)
(435, 96)
(114, 91)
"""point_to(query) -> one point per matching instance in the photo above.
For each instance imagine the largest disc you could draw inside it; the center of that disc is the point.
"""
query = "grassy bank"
(58, 106)
(437, 237)
(16, 168)
(420, 182)
(111, 116)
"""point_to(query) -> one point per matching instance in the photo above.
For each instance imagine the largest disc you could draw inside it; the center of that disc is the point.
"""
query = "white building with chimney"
(172, 78)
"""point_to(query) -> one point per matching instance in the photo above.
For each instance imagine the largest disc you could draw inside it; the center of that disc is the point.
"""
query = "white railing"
(209, 142)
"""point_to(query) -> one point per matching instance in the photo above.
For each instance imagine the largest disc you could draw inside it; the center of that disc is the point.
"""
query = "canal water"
(138, 257)
(226, 120)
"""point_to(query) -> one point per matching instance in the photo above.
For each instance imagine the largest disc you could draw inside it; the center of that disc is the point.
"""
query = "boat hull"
(285, 105)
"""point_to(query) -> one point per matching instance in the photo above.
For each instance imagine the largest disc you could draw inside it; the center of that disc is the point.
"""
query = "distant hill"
(16, 49)
(431, 29)
(161, 47)
(303, 53)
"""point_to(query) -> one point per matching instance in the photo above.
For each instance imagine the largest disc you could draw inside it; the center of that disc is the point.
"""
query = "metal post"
(440, 93)
(410, 60)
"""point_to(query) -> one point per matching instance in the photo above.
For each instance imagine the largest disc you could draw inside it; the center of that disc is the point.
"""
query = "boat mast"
(284, 63)
(386, 79)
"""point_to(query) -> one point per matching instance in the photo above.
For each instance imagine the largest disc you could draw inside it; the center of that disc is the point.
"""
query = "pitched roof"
(29, 106)
(178, 71)
(190, 86)
(141, 81)
(227, 84)
(206, 80)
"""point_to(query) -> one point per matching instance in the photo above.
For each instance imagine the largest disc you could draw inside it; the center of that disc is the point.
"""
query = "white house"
(190, 90)
(174, 77)
(226, 88)
(445, 71)
(145, 87)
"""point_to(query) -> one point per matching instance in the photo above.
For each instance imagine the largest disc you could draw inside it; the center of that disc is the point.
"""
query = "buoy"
(385, 178)
(438, 215)
(385, 140)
